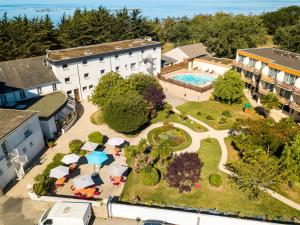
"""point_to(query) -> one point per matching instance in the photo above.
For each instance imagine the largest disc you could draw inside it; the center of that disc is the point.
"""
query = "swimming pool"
(194, 79)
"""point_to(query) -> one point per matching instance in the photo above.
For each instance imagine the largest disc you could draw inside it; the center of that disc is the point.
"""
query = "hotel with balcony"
(267, 70)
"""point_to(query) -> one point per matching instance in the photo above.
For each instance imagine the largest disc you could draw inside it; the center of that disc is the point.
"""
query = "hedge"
(215, 180)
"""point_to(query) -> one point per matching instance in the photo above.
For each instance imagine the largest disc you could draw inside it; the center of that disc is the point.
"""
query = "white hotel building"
(79, 69)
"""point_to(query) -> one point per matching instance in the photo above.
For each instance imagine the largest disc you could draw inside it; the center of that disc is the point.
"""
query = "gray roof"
(194, 50)
(10, 119)
(168, 59)
(281, 57)
(24, 74)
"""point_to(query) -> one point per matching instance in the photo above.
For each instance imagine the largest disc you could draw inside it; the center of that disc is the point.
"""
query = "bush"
(149, 176)
(215, 180)
(127, 112)
(44, 186)
(75, 146)
(96, 137)
(223, 120)
(209, 117)
(183, 115)
(226, 113)
(199, 113)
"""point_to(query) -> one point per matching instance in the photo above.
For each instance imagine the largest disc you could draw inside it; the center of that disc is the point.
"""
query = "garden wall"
(174, 216)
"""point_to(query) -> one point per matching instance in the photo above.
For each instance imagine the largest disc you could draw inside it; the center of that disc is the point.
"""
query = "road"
(17, 211)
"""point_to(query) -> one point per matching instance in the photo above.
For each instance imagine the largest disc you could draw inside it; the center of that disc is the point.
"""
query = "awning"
(65, 112)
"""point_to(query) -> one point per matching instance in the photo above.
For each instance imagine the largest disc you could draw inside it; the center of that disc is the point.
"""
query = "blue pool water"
(194, 79)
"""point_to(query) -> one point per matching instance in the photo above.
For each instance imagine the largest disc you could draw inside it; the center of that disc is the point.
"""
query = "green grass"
(201, 110)
(97, 118)
(224, 198)
(154, 139)
(175, 118)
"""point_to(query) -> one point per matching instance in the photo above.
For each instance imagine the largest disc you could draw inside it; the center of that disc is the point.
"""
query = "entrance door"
(76, 94)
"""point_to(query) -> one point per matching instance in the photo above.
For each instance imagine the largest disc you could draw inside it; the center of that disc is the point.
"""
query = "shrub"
(130, 151)
(127, 112)
(44, 186)
(215, 180)
(183, 115)
(149, 176)
(75, 146)
(184, 171)
(209, 117)
(199, 113)
(226, 113)
(96, 137)
(223, 120)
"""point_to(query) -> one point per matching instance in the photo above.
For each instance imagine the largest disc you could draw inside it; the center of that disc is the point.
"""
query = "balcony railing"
(246, 67)
(283, 85)
(247, 79)
(295, 106)
(296, 91)
(268, 79)
(263, 91)
(283, 100)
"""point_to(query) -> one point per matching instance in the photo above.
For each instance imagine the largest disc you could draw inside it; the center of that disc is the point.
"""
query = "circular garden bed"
(177, 138)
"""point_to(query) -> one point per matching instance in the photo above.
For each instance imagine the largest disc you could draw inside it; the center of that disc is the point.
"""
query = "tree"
(106, 88)
(283, 17)
(161, 152)
(288, 38)
(257, 172)
(291, 156)
(228, 88)
(126, 113)
(96, 137)
(270, 101)
(184, 171)
(155, 96)
(140, 82)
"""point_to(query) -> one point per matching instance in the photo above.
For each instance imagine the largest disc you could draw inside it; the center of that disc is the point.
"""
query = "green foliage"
(288, 38)
(223, 120)
(258, 170)
(96, 137)
(209, 117)
(43, 187)
(291, 156)
(106, 87)
(149, 176)
(56, 161)
(215, 180)
(226, 113)
(140, 82)
(228, 88)
(183, 115)
(126, 113)
(75, 146)
(270, 101)
(283, 17)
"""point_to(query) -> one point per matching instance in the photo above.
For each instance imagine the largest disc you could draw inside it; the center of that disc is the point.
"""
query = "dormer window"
(101, 59)
(84, 62)
(65, 66)
(130, 53)
(117, 56)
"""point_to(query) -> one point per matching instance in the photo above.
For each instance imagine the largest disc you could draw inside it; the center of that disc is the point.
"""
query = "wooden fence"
(172, 68)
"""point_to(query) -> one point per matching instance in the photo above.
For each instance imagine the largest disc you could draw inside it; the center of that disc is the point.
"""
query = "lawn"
(175, 118)
(97, 118)
(154, 137)
(210, 112)
(225, 198)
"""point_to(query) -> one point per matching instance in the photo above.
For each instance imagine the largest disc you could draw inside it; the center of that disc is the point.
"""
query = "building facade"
(266, 70)
(21, 139)
(79, 69)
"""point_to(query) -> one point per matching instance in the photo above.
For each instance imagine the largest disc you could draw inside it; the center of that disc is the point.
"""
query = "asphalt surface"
(17, 211)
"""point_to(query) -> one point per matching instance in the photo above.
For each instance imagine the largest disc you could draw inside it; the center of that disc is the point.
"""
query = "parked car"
(156, 222)
(63, 213)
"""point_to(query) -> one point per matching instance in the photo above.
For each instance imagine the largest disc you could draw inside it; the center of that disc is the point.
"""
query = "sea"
(151, 8)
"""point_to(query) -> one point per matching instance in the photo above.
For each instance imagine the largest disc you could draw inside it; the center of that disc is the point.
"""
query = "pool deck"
(184, 93)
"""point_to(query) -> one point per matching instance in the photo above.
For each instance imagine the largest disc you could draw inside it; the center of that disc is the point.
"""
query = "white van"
(64, 213)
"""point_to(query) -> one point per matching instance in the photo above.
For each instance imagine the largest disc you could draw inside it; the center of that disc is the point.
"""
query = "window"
(84, 62)
(241, 58)
(249, 74)
(86, 75)
(252, 62)
(116, 56)
(3, 99)
(269, 86)
(133, 66)
(67, 80)
(130, 53)
(48, 222)
(91, 86)
(24, 150)
(273, 73)
(39, 90)
(289, 78)
(263, 65)
(65, 66)
(84, 88)
(27, 133)
(31, 144)
(69, 92)
(101, 59)
(4, 148)
(117, 68)
(54, 87)
(285, 93)
(143, 50)
(102, 71)
(22, 94)
(154, 49)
